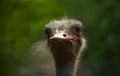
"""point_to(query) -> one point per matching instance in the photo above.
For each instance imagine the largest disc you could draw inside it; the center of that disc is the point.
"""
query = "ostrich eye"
(47, 31)
(76, 30)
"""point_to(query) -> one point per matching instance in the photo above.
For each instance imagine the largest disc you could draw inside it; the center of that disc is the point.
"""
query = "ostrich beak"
(63, 36)
(59, 35)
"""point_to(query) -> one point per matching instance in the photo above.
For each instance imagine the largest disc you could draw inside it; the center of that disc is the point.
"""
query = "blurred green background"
(22, 23)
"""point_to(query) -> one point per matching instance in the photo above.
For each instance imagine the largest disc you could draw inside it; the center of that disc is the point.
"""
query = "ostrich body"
(66, 42)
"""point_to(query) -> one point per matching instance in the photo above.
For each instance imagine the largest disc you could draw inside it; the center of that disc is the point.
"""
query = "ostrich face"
(64, 35)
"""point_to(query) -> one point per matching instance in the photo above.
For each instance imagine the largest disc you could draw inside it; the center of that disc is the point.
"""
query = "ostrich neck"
(66, 69)
(65, 60)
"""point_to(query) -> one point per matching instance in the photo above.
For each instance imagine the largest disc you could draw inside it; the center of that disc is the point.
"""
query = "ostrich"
(66, 43)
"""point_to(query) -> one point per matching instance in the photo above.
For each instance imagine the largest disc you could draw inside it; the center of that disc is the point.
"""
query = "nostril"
(64, 35)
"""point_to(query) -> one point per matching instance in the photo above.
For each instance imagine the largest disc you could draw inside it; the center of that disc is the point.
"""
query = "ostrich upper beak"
(63, 36)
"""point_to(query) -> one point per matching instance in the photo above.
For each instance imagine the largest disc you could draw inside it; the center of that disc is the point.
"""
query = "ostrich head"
(66, 42)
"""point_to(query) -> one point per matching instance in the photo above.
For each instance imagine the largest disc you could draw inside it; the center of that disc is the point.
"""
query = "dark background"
(22, 23)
